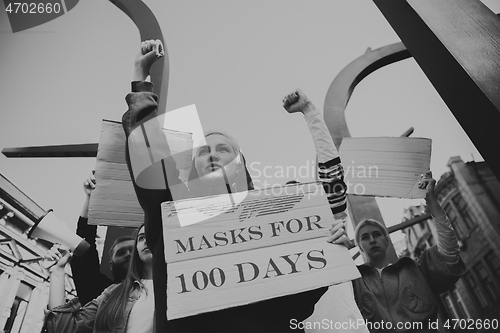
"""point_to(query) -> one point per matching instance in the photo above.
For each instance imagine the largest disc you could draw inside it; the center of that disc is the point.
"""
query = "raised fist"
(297, 101)
(151, 50)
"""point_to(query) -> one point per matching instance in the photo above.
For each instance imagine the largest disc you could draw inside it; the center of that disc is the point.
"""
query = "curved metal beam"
(149, 28)
(337, 97)
(343, 85)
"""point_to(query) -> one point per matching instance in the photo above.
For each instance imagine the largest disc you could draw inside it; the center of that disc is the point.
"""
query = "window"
(452, 216)
(463, 211)
(486, 281)
(493, 263)
(455, 305)
(451, 307)
(5, 246)
(18, 309)
(17, 312)
(460, 303)
(476, 290)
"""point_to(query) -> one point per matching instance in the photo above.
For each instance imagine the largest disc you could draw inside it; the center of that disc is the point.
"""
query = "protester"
(402, 296)
(218, 167)
(127, 307)
(337, 306)
(88, 279)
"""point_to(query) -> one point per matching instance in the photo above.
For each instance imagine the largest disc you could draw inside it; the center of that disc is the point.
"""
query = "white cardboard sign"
(267, 246)
(385, 167)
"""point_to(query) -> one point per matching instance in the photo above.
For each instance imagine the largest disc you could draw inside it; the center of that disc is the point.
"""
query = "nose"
(372, 239)
(214, 157)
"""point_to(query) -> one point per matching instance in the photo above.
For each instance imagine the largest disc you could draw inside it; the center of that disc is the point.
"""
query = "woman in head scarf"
(218, 167)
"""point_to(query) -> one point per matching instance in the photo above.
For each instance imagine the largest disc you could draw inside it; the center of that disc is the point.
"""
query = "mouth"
(375, 248)
(213, 166)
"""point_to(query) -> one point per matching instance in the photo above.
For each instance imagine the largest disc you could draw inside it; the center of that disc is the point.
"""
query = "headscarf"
(243, 181)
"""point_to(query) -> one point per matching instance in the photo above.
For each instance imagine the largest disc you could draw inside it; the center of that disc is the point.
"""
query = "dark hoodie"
(273, 315)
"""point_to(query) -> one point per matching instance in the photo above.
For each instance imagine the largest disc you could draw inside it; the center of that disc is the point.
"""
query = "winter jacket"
(405, 292)
(89, 281)
(72, 317)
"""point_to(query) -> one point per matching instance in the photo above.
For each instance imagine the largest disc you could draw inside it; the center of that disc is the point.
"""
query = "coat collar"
(404, 261)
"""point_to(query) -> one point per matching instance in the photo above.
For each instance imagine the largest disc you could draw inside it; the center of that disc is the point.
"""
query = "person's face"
(373, 242)
(120, 259)
(211, 158)
(142, 248)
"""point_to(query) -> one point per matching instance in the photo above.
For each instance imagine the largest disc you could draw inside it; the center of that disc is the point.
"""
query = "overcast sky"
(235, 60)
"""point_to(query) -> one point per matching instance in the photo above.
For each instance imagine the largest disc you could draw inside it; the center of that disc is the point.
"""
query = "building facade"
(24, 283)
(419, 236)
(470, 195)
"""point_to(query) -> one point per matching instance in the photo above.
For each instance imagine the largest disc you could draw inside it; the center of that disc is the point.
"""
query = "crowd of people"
(135, 299)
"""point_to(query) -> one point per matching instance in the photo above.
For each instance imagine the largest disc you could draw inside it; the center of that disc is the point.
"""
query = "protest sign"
(114, 202)
(271, 244)
(385, 167)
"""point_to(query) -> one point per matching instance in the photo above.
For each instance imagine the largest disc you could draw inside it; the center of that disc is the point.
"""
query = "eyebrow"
(374, 231)
(223, 145)
(217, 146)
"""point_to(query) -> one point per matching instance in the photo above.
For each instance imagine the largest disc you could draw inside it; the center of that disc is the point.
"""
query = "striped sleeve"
(331, 175)
(447, 243)
(330, 171)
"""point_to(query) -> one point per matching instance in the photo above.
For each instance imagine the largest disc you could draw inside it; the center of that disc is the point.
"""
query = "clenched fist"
(297, 101)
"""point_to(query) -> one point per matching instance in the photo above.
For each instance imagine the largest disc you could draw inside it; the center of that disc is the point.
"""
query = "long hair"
(111, 313)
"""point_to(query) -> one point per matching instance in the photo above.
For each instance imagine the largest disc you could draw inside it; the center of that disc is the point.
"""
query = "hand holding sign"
(89, 184)
(428, 183)
(338, 233)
